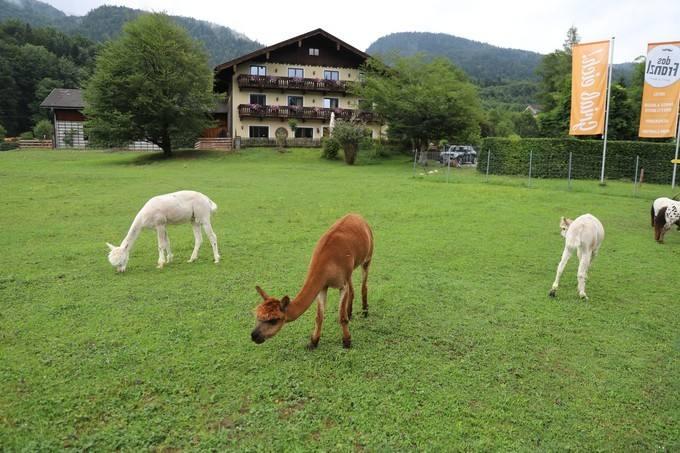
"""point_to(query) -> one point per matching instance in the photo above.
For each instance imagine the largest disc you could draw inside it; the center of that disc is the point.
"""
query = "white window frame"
(257, 72)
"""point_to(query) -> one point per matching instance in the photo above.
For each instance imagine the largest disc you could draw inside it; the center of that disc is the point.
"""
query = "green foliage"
(292, 123)
(3, 133)
(462, 350)
(32, 62)
(551, 158)
(6, 146)
(106, 22)
(331, 148)
(349, 135)
(152, 83)
(43, 130)
(422, 101)
(69, 137)
(622, 124)
(28, 135)
(484, 63)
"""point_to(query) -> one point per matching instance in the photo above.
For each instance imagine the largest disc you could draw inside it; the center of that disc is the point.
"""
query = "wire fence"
(571, 171)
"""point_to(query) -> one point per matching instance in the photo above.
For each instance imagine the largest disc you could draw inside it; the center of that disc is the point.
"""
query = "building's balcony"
(304, 113)
(291, 83)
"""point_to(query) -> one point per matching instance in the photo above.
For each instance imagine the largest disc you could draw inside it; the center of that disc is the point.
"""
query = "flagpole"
(606, 117)
(677, 141)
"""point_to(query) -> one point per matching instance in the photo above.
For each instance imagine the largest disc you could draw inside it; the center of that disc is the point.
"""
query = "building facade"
(305, 79)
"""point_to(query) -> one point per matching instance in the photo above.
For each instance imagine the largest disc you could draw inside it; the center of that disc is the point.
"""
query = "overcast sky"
(538, 25)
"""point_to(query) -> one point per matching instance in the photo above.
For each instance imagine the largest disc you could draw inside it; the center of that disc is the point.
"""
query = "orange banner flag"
(589, 66)
(661, 93)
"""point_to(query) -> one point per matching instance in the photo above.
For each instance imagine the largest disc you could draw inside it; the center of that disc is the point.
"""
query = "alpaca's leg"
(213, 240)
(364, 287)
(566, 254)
(160, 231)
(168, 252)
(345, 297)
(198, 240)
(320, 310)
(583, 265)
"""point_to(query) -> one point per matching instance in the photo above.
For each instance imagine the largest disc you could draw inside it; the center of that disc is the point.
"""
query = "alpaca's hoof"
(169, 258)
(583, 297)
(159, 266)
(312, 345)
(191, 260)
(217, 261)
(346, 343)
(553, 292)
(365, 312)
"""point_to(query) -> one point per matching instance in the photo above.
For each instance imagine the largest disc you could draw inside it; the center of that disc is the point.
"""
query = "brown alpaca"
(347, 245)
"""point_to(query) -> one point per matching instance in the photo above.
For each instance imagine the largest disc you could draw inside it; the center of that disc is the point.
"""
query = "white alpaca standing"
(585, 235)
(172, 208)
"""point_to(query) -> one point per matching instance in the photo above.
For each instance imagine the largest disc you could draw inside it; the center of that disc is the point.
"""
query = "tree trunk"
(350, 153)
(167, 145)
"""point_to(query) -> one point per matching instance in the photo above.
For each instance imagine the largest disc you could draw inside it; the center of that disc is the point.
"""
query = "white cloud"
(537, 25)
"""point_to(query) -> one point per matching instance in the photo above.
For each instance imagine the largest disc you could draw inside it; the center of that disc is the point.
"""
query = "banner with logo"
(589, 71)
(661, 92)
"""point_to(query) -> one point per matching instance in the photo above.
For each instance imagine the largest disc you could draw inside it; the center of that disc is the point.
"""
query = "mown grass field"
(463, 349)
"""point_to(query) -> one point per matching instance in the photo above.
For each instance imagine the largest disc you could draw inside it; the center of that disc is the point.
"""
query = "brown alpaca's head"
(564, 226)
(270, 316)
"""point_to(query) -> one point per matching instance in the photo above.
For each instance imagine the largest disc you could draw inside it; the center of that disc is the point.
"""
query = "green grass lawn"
(463, 348)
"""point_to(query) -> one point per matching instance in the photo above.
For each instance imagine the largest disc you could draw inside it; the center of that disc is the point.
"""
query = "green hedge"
(550, 158)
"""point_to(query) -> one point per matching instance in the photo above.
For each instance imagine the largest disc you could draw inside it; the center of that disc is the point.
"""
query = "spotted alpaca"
(665, 218)
(585, 235)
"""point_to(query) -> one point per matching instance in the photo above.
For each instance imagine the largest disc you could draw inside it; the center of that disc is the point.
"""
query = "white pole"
(677, 141)
(606, 117)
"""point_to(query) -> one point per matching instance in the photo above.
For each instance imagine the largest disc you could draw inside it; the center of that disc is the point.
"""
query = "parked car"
(458, 155)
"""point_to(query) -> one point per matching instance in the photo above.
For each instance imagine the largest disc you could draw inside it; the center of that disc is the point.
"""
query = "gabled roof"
(64, 98)
(288, 42)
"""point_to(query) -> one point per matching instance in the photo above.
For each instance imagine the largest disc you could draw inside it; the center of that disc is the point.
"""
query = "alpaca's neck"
(312, 286)
(133, 233)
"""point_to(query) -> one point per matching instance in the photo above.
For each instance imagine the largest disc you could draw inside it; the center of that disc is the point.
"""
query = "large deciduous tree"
(152, 83)
(422, 101)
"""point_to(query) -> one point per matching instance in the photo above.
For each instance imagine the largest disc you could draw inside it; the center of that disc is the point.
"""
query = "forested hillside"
(106, 22)
(33, 61)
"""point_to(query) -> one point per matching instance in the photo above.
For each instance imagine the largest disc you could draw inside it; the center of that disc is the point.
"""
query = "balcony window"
(304, 132)
(295, 101)
(314, 52)
(258, 70)
(331, 103)
(296, 72)
(259, 131)
(331, 75)
(258, 99)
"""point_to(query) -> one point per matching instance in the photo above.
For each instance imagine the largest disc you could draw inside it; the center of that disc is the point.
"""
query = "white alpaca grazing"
(585, 235)
(172, 208)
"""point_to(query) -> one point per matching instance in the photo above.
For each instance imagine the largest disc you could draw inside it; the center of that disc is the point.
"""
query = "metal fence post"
(531, 156)
(569, 173)
(488, 160)
(637, 164)
(415, 159)
(448, 171)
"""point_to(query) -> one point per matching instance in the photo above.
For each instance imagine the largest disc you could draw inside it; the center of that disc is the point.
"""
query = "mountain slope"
(106, 22)
(484, 63)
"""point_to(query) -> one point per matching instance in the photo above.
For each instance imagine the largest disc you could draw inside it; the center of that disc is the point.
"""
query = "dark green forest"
(103, 23)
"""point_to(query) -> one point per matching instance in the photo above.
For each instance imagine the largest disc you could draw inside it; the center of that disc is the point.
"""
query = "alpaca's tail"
(213, 206)
(652, 215)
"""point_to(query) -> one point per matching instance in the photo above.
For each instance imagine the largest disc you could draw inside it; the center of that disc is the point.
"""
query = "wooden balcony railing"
(305, 113)
(291, 83)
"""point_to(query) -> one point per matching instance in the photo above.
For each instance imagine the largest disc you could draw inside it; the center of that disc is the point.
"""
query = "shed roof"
(64, 98)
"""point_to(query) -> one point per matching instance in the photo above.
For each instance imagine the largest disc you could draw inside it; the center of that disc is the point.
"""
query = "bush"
(6, 146)
(349, 135)
(331, 148)
(28, 135)
(43, 130)
(3, 132)
(551, 158)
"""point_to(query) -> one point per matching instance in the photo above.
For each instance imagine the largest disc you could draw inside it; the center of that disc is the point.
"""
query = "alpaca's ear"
(111, 246)
(564, 223)
(284, 303)
(261, 292)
